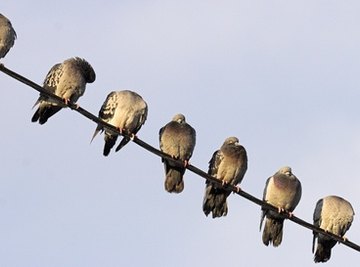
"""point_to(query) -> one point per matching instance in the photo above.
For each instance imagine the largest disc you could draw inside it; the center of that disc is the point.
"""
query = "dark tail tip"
(110, 141)
(174, 181)
(273, 232)
(323, 250)
(42, 120)
(106, 151)
(43, 113)
(123, 142)
(36, 116)
(215, 202)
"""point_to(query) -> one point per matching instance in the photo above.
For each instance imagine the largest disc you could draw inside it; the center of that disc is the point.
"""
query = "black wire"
(192, 168)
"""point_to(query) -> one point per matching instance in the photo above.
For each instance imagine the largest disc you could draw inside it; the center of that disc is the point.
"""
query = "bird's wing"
(214, 163)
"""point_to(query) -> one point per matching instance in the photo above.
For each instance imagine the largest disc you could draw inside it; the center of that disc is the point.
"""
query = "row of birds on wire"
(127, 111)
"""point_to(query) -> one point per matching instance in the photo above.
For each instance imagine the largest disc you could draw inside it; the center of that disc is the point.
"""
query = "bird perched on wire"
(282, 190)
(66, 80)
(7, 36)
(332, 214)
(229, 165)
(125, 110)
(176, 138)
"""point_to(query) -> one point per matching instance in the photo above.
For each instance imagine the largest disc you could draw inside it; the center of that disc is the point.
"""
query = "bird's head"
(286, 170)
(180, 118)
(232, 141)
(87, 69)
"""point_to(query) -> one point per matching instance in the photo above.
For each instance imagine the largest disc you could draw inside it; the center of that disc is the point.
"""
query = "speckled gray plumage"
(125, 110)
(335, 215)
(282, 190)
(7, 36)
(228, 164)
(177, 139)
(66, 80)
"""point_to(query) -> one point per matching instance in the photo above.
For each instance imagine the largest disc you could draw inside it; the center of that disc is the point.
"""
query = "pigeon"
(282, 190)
(177, 139)
(332, 214)
(229, 165)
(66, 80)
(125, 110)
(7, 36)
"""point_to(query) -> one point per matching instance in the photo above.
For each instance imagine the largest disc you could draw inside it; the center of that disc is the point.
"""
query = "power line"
(192, 168)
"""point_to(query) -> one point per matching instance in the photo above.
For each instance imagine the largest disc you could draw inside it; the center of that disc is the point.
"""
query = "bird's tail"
(110, 141)
(174, 182)
(36, 116)
(273, 231)
(215, 201)
(123, 142)
(97, 130)
(36, 103)
(44, 112)
(323, 250)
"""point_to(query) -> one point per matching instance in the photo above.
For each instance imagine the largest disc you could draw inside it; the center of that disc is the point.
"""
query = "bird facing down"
(282, 190)
(7, 36)
(335, 215)
(229, 165)
(66, 80)
(125, 110)
(177, 138)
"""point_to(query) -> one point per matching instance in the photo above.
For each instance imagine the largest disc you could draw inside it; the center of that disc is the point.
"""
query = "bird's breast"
(279, 194)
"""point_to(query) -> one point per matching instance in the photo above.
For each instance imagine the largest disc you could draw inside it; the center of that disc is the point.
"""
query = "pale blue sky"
(280, 75)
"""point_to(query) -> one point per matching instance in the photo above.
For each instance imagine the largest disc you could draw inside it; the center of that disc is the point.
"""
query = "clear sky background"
(283, 76)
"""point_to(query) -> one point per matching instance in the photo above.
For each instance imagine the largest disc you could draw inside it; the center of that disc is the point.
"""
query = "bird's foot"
(280, 209)
(186, 163)
(120, 129)
(238, 189)
(66, 100)
(132, 136)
